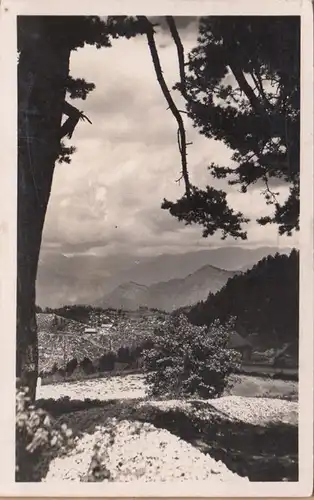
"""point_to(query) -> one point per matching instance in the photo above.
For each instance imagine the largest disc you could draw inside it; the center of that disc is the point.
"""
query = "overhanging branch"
(180, 50)
(246, 89)
(172, 106)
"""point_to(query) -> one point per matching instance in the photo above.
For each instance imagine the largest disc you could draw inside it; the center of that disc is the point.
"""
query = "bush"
(87, 366)
(106, 361)
(123, 355)
(189, 360)
(71, 366)
(54, 369)
(38, 439)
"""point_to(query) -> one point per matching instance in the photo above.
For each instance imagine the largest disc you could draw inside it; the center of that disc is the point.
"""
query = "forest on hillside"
(264, 300)
(97, 315)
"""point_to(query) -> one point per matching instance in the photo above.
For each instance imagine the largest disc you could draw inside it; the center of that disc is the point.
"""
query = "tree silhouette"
(242, 86)
(45, 45)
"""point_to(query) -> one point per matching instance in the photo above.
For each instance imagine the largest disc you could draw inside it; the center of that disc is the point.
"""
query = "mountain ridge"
(172, 294)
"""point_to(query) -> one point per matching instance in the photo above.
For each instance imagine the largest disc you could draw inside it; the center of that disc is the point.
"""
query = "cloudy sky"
(108, 199)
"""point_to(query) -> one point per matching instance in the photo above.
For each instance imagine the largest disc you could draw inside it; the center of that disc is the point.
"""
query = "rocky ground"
(137, 451)
(133, 450)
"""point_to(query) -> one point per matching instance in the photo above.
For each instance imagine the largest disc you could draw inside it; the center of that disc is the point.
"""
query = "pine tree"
(242, 87)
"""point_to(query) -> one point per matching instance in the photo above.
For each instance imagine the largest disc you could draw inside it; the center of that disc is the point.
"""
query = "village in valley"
(67, 342)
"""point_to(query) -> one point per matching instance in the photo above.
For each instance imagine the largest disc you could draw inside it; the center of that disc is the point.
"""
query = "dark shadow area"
(262, 453)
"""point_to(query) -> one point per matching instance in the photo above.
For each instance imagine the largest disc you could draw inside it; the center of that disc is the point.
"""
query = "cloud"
(108, 199)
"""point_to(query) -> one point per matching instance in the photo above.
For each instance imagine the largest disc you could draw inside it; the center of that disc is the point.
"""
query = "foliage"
(38, 439)
(106, 361)
(71, 366)
(264, 299)
(76, 312)
(124, 355)
(87, 366)
(54, 368)
(86, 313)
(189, 360)
(209, 209)
(242, 87)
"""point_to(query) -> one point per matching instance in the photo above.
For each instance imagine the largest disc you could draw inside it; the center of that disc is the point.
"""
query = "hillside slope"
(264, 300)
(58, 346)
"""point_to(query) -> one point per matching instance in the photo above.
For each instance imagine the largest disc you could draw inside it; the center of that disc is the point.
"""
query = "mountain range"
(162, 279)
(169, 295)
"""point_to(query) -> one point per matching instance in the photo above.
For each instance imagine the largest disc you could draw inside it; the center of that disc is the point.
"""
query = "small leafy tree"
(189, 360)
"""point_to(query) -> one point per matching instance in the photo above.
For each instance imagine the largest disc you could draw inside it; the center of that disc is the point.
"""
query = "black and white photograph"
(162, 297)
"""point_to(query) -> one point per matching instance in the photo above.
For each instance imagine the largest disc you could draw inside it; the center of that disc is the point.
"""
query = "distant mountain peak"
(172, 294)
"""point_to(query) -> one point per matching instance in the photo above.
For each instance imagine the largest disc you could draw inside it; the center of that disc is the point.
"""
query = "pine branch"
(74, 116)
(247, 89)
(180, 50)
(270, 195)
(172, 106)
(78, 88)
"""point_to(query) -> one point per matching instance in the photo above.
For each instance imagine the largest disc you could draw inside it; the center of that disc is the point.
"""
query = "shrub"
(106, 361)
(189, 360)
(87, 366)
(39, 438)
(54, 369)
(123, 355)
(71, 366)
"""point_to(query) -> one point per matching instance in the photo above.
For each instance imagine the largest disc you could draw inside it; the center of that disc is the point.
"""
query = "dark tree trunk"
(42, 69)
